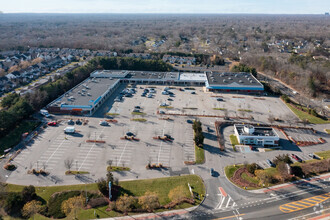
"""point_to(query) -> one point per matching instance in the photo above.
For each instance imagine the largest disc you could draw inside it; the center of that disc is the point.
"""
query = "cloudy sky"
(167, 6)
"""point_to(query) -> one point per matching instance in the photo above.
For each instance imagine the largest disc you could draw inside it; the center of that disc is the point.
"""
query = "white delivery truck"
(44, 113)
(69, 130)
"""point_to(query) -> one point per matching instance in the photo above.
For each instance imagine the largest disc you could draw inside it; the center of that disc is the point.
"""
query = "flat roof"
(197, 77)
(86, 94)
(148, 75)
(109, 73)
(258, 131)
(232, 80)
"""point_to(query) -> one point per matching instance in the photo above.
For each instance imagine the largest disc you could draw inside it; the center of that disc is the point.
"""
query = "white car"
(104, 123)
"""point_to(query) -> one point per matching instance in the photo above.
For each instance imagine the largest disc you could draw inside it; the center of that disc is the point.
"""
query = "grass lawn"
(112, 114)
(138, 113)
(200, 155)
(230, 170)
(233, 141)
(14, 137)
(221, 109)
(250, 179)
(244, 110)
(139, 119)
(303, 116)
(161, 186)
(46, 192)
(115, 168)
(324, 154)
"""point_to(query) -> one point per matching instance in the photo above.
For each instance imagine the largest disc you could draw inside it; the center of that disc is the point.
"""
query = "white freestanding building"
(250, 135)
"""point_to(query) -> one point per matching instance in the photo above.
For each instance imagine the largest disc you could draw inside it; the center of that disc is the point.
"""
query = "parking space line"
(90, 150)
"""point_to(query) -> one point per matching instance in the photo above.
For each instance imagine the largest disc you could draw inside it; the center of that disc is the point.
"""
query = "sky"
(167, 6)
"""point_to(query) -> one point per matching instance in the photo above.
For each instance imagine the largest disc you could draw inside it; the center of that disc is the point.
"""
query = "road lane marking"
(233, 216)
(312, 201)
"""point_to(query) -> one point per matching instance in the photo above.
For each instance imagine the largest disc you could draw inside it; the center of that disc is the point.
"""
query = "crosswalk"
(225, 201)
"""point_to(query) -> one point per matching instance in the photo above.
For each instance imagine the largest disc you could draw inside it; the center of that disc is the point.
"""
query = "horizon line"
(164, 13)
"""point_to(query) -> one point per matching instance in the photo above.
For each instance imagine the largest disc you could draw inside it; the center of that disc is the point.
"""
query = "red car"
(296, 158)
(52, 123)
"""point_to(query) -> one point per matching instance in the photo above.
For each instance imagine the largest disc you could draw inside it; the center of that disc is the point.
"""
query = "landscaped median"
(233, 141)
(251, 176)
(169, 193)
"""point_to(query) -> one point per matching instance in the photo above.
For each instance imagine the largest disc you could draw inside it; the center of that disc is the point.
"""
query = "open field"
(305, 116)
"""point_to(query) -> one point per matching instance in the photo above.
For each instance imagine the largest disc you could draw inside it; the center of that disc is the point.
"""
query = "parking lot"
(301, 134)
(52, 147)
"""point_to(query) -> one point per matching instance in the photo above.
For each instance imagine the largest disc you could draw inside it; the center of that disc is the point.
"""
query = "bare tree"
(109, 162)
(68, 163)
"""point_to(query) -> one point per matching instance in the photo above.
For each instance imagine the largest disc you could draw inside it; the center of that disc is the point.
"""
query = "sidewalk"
(285, 185)
(158, 215)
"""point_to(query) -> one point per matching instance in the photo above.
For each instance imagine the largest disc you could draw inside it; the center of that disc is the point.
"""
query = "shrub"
(31, 208)
(149, 201)
(252, 167)
(101, 201)
(13, 203)
(72, 204)
(29, 193)
(102, 185)
(55, 203)
(282, 158)
(126, 203)
(285, 98)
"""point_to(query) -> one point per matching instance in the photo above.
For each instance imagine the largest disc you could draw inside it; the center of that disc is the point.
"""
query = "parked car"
(164, 93)
(189, 121)
(104, 123)
(296, 158)
(163, 104)
(78, 122)
(52, 123)
(219, 99)
(181, 89)
(149, 96)
(143, 94)
(212, 172)
(136, 110)
(193, 93)
(313, 156)
(70, 122)
(270, 163)
(161, 112)
(169, 99)
(137, 107)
